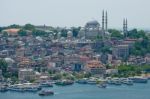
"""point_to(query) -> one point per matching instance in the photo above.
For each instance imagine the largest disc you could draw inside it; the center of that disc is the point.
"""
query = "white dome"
(9, 60)
(69, 33)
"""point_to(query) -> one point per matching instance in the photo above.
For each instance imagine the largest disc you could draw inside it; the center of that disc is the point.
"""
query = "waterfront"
(79, 91)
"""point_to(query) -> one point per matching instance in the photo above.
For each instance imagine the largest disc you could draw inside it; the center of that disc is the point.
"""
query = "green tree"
(140, 48)
(3, 67)
(75, 31)
(137, 34)
(128, 70)
(115, 33)
(64, 32)
(29, 27)
(14, 26)
(5, 34)
(38, 33)
(1, 29)
(105, 49)
(22, 32)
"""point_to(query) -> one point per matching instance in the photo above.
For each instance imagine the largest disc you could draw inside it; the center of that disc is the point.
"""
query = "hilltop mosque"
(92, 29)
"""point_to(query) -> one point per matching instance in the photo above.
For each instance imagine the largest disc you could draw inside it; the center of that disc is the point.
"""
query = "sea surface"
(78, 91)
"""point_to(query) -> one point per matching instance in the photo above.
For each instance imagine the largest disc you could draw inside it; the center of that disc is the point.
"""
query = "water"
(77, 91)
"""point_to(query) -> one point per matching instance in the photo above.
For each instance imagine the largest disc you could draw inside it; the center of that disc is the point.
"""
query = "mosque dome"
(93, 22)
(69, 33)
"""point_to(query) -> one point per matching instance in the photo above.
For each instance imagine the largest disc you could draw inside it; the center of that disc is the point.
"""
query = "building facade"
(26, 75)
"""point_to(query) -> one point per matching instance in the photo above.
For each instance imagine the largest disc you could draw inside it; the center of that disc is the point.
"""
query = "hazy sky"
(74, 12)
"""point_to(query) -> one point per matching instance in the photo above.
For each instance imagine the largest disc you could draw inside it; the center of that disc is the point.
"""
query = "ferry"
(139, 79)
(25, 87)
(114, 81)
(127, 81)
(17, 89)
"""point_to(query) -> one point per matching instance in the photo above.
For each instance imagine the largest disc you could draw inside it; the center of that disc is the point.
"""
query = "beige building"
(11, 32)
(121, 51)
(26, 74)
(95, 67)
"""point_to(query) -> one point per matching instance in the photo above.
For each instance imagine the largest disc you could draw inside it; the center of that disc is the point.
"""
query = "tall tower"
(126, 25)
(103, 20)
(106, 21)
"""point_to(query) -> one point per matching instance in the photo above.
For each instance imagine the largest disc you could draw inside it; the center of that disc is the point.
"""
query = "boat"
(64, 82)
(46, 93)
(114, 81)
(139, 79)
(25, 87)
(127, 81)
(81, 81)
(32, 89)
(102, 85)
(46, 84)
(3, 89)
(15, 88)
(92, 81)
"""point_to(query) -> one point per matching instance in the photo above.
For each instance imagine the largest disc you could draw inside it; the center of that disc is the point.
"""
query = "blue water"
(77, 91)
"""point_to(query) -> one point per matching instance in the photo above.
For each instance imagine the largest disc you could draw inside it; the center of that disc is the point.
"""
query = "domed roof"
(9, 60)
(93, 22)
(69, 32)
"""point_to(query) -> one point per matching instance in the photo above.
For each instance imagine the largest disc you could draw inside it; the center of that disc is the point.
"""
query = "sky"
(68, 13)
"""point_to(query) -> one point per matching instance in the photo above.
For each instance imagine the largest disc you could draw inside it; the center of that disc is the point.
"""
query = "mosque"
(92, 29)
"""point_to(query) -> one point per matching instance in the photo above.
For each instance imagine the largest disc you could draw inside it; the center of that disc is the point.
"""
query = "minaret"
(106, 21)
(44, 27)
(103, 27)
(126, 25)
(103, 20)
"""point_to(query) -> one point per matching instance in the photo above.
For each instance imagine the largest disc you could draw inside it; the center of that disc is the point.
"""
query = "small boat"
(46, 93)
(3, 89)
(103, 85)
(46, 84)
(81, 81)
(91, 82)
(64, 82)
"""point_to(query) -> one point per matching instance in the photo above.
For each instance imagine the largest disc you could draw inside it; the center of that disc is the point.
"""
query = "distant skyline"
(68, 13)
